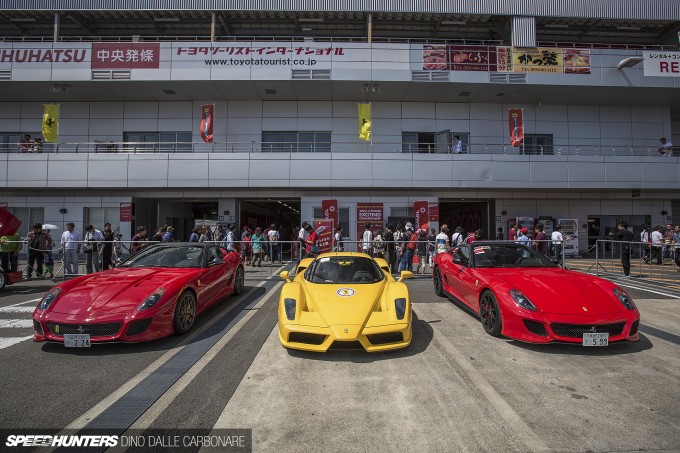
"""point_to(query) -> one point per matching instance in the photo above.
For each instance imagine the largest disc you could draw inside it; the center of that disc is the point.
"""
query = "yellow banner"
(539, 59)
(365, 121)
(50, 123)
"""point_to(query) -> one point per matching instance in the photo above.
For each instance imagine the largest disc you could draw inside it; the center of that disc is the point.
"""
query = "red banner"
(324, 231)
(126, 212)
(132, 55)
(516, 127)
(8, 223)
(329, 209)
(207, 120)
(371, 213)
(421, 212)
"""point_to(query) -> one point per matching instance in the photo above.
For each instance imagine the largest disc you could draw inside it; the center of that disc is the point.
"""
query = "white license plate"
(595, 339)
(77, 340)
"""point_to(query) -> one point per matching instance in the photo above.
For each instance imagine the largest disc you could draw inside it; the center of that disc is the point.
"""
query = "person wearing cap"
(70, 247)
(39, 241)
(458, 237)
(522, 237)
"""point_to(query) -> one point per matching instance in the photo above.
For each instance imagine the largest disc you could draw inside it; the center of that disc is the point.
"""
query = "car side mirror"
(285, 275)
(404, 275)
(460, 261)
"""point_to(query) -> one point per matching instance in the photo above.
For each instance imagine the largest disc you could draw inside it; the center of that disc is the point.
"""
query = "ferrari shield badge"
(345, 292)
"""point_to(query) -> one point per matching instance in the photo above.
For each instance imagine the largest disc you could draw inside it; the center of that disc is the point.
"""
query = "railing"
(326, 147)
(650, 261)
(397, 40)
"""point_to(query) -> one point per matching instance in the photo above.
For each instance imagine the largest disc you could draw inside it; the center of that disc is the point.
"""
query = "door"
(442, 142)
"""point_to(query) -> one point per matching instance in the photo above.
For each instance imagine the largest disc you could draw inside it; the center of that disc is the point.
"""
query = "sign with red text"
(661, 63)
(324, 231)
(369, 213)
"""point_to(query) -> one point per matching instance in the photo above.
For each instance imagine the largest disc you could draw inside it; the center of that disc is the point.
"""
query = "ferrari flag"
(516, 127)
(50, 122)
(365, 121)
(207, 120)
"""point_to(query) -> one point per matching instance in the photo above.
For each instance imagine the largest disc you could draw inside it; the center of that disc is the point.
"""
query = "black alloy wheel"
(438, 283)
(185, 312)
(490, 314)
(239, 282)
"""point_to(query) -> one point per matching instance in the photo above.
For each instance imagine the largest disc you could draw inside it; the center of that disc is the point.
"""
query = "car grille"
(96, 330)
(535, 327)
(385, 338)
(634, 328)
(346, 345)
(577, 330)
(307, 338)
(37, 327)
(138, 326)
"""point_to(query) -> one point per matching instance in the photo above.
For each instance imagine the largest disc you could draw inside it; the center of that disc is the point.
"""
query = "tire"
(438, 283)
(239, 281)
(490, 314)
(185, 313)
(3, 280)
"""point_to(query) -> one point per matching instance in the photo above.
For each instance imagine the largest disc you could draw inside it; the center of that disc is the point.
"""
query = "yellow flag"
(365, 121)
(50, 122)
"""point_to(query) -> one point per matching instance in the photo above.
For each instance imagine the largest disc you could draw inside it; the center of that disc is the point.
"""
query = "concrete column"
(213, 18)
(57, 23)
(370, 27)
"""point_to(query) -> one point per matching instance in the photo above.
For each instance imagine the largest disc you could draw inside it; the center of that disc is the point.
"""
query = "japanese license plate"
(77, 340)
(595, 339)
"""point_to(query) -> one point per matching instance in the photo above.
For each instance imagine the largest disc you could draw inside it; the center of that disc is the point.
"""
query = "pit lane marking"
(16, 323)
(169, 396)
(524, 433)
(6, 342)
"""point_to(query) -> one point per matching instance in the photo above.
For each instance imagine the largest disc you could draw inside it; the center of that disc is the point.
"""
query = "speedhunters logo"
(61, 441)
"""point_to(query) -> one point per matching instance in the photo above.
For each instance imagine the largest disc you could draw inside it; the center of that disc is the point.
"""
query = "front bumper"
(320, 339)
(548, 328)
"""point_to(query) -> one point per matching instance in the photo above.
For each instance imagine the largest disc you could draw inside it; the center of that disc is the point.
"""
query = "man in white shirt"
(367, 239)
(657, 245)
(457, 145)
(557, 241)
(274, 237)
(302, 240)
(442, 239)
(70, 247)
(666, 148)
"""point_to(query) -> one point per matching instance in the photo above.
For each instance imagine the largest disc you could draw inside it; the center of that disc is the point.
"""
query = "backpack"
(412, 242)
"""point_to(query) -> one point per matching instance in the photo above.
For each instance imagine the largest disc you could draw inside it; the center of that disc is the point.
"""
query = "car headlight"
(289, 305)
(152, 299)
(400, 307)
(625, 299)
(522, 300)
(49, 298)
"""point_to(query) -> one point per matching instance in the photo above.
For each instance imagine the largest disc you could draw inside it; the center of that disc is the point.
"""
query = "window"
(296, 142)
(166, 142)
(99, 216)
(343, 218)
(537, 144)
(418, 142)
(464, 138)
(28, 217)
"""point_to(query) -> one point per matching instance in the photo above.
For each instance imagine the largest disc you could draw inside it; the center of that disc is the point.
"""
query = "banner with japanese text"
(661, 63)
(324, 231)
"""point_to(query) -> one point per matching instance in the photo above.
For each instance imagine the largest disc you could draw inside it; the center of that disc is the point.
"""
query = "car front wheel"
(490, 314)
(239, 281)
(185, 313)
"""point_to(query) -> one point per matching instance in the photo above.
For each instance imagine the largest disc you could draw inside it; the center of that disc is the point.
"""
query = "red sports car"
(521, 294)
(155, 293)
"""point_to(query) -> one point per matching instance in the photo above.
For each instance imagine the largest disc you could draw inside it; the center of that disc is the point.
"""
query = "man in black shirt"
(624, 237)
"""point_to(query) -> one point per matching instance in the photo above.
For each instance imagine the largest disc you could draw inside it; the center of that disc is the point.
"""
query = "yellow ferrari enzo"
(344, 300)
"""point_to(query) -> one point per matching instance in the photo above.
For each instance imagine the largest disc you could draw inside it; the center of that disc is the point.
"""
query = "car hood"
(559, 291)
(345, 304)
(120, 290)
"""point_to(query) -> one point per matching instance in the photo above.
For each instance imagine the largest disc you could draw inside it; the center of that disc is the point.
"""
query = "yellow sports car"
(344, 300)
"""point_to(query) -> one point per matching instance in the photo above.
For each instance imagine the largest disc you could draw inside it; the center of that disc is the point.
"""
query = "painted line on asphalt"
(15, 309)
(146, 419)
(16, 323)
(511, 417)
(6, 342)
(642, 288)
(670, 337)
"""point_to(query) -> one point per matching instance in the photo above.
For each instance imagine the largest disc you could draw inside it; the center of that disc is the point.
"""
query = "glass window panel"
(409, 142)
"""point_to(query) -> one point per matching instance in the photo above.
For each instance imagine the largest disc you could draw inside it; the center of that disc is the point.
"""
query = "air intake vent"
(6, 75)
(499, 77)
(311, 74)
(110, 75)
(430, 76)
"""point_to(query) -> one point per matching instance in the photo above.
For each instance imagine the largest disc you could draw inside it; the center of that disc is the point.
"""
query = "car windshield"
(167, 256)
(508, 255)
(343, 270)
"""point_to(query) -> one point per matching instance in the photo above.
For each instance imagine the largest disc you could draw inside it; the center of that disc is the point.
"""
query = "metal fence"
(658, 262)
